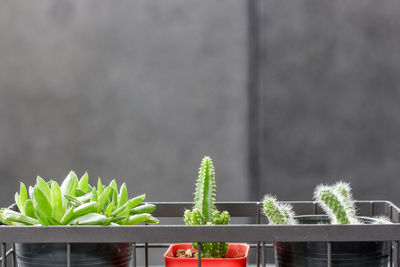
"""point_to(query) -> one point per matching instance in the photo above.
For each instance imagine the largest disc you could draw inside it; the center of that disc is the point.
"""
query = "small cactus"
(204, 211)
(277, 212)
(337, 202)
(344, 190)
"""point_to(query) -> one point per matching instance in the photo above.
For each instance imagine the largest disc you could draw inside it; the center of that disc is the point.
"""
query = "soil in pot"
(314, 254)
(236, 257)
(85, 254)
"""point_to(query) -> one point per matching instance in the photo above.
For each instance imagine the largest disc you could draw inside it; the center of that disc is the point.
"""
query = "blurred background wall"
(141, 90)
(283, 95)
(331, 96)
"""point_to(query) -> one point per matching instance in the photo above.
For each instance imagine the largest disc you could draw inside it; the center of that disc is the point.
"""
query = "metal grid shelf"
(257, 233)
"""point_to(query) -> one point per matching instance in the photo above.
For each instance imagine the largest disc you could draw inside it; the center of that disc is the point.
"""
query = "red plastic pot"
(236, 257)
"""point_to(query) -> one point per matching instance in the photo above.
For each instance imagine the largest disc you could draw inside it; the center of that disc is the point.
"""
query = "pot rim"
(365, 219)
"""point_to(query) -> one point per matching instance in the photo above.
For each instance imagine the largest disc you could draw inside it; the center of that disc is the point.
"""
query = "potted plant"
(75, 202)
(337, 202)
(204, 212)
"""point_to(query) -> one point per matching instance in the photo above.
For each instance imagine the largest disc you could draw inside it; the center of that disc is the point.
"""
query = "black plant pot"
(314, 254)
(86, 254)
(82, 254)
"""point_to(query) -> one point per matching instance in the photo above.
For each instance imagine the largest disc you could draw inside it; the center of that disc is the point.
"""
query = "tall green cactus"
(337, 202)
(277, 212)
(204, 211)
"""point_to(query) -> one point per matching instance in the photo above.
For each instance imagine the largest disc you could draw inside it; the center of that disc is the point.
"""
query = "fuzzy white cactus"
(382, 220)
(278, 212)
(337, 202)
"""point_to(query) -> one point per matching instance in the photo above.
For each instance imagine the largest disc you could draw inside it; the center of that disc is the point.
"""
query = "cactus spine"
(277, 212)
(382, 220)
(344, 190)
(337, 202)
(204, 211)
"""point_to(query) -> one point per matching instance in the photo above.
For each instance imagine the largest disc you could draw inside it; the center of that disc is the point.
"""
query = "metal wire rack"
(256, 232)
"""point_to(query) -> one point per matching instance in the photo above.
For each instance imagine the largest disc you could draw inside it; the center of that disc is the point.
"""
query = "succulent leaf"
(99, 187)
(29, 210)
(138, 218)
(89, 219)
(146, 208)
(41, 205)
(84, 182)
(109, 209)
(17, 199)
(14, 216)
(30, 190)
(79, 192)
(23, 196)
(152, 220)
(44, 187)
(123, 195)
(56, 200)
(94, 195)
(67, 186)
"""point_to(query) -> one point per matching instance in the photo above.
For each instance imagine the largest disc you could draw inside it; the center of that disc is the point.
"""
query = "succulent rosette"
(76, 202)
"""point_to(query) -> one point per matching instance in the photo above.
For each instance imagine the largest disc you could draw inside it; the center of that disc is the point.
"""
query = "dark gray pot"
(314, 254)
(97, 255)
(82, 254)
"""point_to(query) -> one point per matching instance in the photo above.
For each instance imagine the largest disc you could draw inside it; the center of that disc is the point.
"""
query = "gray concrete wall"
(139, 91)
(331, 97)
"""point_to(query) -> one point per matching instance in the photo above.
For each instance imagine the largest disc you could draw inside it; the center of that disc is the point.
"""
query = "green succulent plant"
(76, 202)
(204, 211)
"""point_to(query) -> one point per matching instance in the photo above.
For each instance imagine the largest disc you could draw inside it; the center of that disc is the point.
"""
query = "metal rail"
(260, 234)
